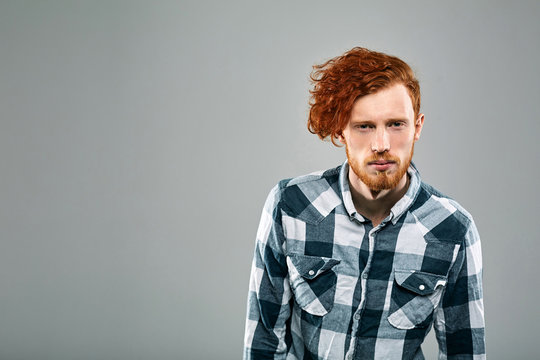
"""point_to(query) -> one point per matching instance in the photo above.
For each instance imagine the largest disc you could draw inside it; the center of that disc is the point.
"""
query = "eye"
(397, 124)
(362, 126)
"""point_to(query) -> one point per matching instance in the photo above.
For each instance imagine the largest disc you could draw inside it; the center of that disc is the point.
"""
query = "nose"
(381, 142)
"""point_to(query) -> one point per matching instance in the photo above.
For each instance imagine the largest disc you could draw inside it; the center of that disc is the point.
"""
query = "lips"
(381, 165)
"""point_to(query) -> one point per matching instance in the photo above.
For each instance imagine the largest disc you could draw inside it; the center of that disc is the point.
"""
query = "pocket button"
(421, 287)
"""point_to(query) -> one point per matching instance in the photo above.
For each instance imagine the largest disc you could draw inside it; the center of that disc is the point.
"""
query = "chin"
(382, 181)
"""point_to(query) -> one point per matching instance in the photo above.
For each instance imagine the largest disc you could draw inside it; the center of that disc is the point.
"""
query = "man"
(360, 261)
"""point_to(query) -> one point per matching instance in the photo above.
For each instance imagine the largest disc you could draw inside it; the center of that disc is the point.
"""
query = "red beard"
(381, 180)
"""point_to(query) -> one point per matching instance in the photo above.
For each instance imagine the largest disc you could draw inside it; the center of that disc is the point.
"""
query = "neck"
(375, 205)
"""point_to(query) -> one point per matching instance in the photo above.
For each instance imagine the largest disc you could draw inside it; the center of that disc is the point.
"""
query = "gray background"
(139, 139)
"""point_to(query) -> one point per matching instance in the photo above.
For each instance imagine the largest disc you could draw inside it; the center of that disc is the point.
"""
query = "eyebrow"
(358, 121)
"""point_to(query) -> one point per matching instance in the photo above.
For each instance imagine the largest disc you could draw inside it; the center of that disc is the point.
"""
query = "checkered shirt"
(326, 284)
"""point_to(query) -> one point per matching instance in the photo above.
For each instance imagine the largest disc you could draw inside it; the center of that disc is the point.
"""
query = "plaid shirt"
(326, 284)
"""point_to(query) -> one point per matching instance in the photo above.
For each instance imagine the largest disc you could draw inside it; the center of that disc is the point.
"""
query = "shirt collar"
(397, 210)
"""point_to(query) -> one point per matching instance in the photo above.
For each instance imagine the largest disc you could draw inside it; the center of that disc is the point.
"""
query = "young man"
(360, 261)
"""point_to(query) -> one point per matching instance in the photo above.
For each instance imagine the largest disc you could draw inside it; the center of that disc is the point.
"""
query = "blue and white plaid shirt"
(326, 284)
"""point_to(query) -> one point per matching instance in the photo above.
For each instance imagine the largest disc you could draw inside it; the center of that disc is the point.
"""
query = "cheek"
(359, 148)
(403, 142)
(358, 142)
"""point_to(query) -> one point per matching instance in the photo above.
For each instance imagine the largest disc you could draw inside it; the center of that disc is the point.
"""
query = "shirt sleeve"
(267, 333)
(459, 321)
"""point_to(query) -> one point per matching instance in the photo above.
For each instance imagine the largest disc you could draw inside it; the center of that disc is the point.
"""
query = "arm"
(459, 321)
(267, 335)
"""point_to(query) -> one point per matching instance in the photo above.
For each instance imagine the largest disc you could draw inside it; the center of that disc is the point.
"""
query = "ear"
(419, 123)
(341, 138)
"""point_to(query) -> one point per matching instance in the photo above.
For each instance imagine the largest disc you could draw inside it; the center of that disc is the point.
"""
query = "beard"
(380, 180)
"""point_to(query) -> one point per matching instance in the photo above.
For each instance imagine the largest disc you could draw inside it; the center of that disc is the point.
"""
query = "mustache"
(382, 157)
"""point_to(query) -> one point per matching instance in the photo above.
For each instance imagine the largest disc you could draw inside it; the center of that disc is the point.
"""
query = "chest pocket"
(313, 283)
(415, 294)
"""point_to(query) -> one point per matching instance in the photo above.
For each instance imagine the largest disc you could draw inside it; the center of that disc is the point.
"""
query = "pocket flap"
(310, 267)
(419, 282)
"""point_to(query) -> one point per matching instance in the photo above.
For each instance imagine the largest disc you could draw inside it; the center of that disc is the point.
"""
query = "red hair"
(340, 81)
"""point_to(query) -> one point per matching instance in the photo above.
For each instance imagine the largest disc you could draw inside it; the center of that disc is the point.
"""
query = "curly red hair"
(340, 81)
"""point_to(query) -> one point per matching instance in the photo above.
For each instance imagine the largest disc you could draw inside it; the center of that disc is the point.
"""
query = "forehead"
(393, 102)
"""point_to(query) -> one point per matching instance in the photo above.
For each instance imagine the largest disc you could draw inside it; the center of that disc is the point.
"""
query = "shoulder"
(311, 178)
(308, 197)
(442, 216)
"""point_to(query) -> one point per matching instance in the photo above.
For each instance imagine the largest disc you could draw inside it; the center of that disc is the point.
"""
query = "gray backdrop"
(139, 139)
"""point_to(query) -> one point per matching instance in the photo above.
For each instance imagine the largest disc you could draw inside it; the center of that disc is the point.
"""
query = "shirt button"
(350, 357)
(421, 287)
(311, 272)
(364, 275)
(357, 316)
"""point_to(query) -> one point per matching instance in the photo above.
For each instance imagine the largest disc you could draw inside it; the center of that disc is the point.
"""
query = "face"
(380, 136)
